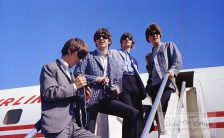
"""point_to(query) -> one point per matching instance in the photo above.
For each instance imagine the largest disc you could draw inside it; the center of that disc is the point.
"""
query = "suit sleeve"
(81, 68)
(50, 88)
(149, 66)
(119, 63)
(176, 59)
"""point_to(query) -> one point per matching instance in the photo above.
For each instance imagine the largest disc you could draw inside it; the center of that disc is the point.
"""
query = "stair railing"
(180, 105)
(34, 131)
(152, 113)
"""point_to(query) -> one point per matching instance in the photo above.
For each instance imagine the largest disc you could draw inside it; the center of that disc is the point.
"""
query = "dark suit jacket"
(134, 64)
(57, 98)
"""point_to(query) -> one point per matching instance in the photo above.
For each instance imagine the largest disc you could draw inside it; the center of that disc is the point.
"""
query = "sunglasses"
(153, 33)
(103, 36)
(125, 37)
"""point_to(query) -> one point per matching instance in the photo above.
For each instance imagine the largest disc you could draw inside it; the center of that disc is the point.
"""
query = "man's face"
(154, 37)
(126, 43)
(74, 58)
(102, 42)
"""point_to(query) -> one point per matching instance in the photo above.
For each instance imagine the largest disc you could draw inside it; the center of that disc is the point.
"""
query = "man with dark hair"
(58, 90)
(133, 91)
(165, 58)
(102, 71)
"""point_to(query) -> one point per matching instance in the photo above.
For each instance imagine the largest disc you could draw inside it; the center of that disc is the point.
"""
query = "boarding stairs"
(186, 113)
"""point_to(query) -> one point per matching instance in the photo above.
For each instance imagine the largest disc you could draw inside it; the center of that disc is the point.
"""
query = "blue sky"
(32, 33)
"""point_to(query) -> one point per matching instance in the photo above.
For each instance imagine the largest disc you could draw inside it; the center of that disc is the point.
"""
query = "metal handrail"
(31, 134)
(179, 106)
(160, 120)
(35, 130)
(154, 107)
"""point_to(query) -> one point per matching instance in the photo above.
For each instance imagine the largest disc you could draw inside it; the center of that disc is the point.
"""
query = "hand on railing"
(34, 131)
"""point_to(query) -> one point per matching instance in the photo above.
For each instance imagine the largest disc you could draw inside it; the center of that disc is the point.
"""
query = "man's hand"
(147, 59)
(171, 75)
(80, 82)
(88, 93)
(103, 80)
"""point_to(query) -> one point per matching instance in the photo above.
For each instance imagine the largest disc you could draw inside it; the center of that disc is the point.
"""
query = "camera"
(110, 92)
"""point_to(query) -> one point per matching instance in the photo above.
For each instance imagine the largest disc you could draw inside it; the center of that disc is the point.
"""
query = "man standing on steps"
(133, 91)
(164, 58)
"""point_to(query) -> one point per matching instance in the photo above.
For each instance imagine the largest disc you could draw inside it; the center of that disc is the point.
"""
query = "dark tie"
(72, 77)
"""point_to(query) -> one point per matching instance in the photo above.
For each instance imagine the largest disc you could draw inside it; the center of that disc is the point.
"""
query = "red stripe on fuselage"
(20, 135)
(216, 125)
(20, 127)
(16, 127)
(216, 114)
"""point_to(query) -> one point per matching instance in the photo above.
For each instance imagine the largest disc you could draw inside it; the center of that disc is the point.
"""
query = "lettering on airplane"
(19, 101)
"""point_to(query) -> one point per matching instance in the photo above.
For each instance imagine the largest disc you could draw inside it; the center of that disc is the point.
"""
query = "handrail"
(34, 131)
(31, 134)
(154, 107)
(160, 120)
(180, 104)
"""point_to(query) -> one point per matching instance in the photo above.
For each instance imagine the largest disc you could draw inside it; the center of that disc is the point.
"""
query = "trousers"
(116, 108)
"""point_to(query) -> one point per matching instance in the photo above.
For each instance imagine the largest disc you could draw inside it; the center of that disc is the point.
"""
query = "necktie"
(72, 77)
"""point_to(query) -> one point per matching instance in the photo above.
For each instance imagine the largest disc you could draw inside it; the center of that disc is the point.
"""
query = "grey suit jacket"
(172, 61)
(91, 67)
(57, 98)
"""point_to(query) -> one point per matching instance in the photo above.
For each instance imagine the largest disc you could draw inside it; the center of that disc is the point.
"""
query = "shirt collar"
(127, 52)
(66, 65)
(160, 44)
(124, 53)
(101, 53)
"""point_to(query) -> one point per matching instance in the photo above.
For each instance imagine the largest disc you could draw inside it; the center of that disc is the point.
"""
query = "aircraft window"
(12, 116)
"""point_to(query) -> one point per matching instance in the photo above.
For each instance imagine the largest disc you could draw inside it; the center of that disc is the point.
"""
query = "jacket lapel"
(97, 58)
(62, 69)
(110, 66)
(156, 63)
(122, 54)
(160, 66)
(133, 64)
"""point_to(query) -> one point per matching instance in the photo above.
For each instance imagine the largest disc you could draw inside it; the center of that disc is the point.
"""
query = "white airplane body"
(20, 108)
